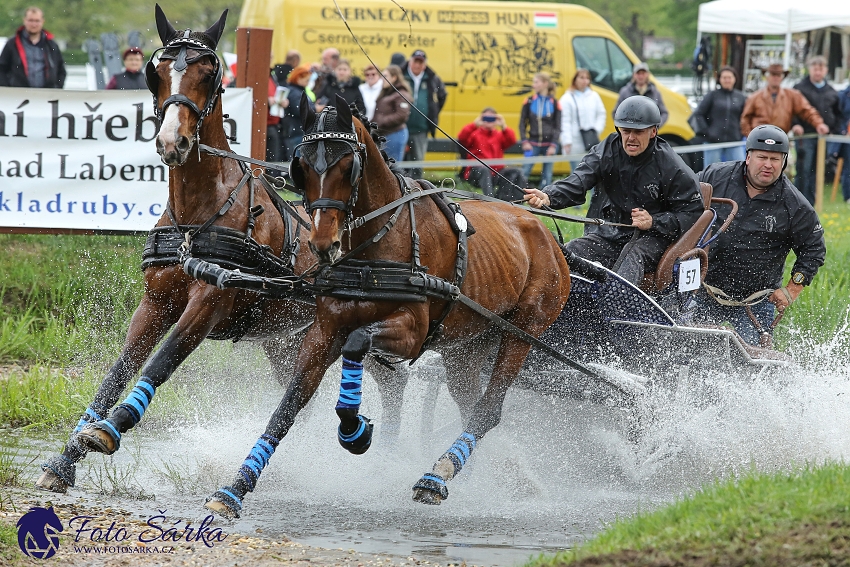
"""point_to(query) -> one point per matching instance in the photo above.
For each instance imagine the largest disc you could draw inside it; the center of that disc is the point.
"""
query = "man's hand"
(536, 198)
(566, 148)
(797, 130)
(526, 146)
(785, 296)
(500, 121)
(823, 129)
(550, 151)
(478, 122)
(641, 219)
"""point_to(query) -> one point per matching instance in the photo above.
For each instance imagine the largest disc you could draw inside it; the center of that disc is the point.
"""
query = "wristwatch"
(799, 278)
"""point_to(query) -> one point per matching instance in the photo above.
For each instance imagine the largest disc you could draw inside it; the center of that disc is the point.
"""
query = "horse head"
(187, 79)
(328, 172)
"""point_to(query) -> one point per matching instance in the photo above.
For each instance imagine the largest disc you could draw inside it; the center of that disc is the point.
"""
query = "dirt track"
(236, 549)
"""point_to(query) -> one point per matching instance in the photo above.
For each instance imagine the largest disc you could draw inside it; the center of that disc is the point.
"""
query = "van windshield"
(609, 67)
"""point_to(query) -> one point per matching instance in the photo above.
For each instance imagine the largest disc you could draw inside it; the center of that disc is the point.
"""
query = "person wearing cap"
(132, 78)
(640, 181)
(429, 96)
(32, 58)
(747, 260)
(641, 85)
(778, 106)
(823, 98)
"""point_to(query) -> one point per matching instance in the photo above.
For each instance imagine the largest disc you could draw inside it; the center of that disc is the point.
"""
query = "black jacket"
(540, 120)
(750, 256)
(722, 110)
(350, 91)
(436, 95)
(657, 180)
(127, 81)
(13, 62)
(826, 101)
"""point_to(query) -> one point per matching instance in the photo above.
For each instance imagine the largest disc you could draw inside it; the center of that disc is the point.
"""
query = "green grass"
(797, 518)
(44, 397)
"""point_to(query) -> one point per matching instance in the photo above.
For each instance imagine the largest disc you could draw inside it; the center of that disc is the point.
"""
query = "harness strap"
(225, 154)
(727, 300)
(360, 221)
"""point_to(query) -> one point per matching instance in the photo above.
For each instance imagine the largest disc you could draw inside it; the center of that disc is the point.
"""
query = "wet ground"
(551, 474)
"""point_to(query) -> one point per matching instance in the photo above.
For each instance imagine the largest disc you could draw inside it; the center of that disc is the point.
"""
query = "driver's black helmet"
(637, 112)
(768, 137)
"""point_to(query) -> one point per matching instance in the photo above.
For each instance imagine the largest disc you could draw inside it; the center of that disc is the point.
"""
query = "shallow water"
(551, 474)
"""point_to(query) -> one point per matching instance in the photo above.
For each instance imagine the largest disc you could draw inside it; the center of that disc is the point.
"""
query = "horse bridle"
(182, 59)
(321, 164)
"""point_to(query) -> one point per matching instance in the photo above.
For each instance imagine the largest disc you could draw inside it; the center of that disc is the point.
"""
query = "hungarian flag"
(545, 19)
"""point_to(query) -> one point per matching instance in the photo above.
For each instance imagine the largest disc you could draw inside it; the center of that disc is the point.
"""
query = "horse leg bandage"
(249, 474)
(90, 416)
(355, 430)
(134, 405)
(453, 460)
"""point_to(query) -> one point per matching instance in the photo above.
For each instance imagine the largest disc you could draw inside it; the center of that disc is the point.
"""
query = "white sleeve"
(601, 118)
(567, 112)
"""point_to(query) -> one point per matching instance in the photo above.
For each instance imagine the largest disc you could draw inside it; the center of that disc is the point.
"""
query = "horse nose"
(176, 153)
(328, 254)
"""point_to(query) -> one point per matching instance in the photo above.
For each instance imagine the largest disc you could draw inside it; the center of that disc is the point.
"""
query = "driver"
(747, 260)
(640, 181)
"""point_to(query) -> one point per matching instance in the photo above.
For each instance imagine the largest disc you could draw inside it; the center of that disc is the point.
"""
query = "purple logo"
(38, 533)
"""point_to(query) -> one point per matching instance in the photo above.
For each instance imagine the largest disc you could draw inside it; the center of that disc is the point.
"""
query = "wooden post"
(820, 171)
(253, 64)
(838, 167)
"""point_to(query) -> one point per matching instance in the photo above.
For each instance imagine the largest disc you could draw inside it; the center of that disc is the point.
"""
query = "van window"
(608, 65)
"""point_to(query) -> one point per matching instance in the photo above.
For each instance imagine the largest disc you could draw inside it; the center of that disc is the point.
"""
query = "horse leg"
(201, 315)
(391, 384)
(463, 372)
(486, 414)
(149, 323)
(282, 352)
(317, 353)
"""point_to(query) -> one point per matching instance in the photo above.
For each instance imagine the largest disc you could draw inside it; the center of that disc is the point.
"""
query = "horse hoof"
(49, 480)
(223, 504)
(431, 489)
(59, 473)
(358, 442)
(95, 438)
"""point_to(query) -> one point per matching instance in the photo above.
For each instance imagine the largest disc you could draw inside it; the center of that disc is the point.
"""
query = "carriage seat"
(683, 248)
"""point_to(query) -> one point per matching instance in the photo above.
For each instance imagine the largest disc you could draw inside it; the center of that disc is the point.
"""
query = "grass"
(786, 518)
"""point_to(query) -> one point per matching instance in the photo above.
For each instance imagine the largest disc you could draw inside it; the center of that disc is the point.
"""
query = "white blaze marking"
(170, 122)
(318, 213)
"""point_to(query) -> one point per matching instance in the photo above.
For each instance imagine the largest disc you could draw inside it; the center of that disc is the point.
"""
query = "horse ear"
(163, 26)
(343, 114)
(308, 115)
(217, 28)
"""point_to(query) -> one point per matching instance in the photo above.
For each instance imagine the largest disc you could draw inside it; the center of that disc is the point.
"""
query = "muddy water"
(552, 473)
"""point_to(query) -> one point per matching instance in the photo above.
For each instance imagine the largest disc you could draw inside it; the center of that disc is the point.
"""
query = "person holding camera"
(582, 116)
(488, 137)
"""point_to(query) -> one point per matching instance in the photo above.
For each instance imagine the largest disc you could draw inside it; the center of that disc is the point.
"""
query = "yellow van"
(485, 52)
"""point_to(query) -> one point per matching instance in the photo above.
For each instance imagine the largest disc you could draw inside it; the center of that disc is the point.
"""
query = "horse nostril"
(183, 144)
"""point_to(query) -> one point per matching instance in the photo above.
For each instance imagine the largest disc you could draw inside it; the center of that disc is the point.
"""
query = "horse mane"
(372, 129)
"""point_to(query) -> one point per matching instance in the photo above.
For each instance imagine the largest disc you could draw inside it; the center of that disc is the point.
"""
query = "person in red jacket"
(487, 138)
(32, 59)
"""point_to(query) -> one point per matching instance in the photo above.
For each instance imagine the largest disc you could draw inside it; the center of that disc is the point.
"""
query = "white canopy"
(771, 17)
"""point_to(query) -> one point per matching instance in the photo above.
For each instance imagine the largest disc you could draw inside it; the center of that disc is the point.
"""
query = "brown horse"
(515, 269)
(186, 84)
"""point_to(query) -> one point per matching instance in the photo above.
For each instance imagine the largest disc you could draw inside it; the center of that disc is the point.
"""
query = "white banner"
(87, 159)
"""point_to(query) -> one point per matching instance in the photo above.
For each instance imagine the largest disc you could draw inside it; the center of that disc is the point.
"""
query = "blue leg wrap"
(351, 385)
(460, 450)
(139, 399)
(89, 417)
(228, 498)
(257, 459)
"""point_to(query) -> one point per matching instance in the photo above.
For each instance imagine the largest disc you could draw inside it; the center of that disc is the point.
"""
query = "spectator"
(370, 89)
(581, 109)
(392, 111)
(275, 151)
(641, 85)
(824, 99)
(776, 105)
(844, 151)
(487, 138)
(639, 179)
(290, 127)
(719, 114)
(282, 71)
(540, 125)
(324, 70)
(429, 96)
(132, 78)
(749, 258)
(341, 83)
(32, 59)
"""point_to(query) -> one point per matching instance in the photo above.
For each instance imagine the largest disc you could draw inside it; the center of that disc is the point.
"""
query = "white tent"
(772, 17)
